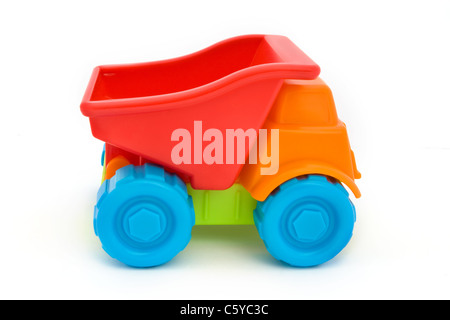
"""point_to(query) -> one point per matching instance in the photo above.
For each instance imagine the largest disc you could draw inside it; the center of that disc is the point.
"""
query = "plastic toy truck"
(241, 132)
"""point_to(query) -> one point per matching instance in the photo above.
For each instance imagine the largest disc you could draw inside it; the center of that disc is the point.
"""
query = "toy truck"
(242, 132)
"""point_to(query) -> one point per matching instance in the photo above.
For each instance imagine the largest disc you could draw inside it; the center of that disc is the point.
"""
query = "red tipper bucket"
(230, 85)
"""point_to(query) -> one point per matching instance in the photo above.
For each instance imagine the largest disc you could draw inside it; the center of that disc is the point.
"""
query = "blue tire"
(306, 222)
(102, 160)
(143, 216)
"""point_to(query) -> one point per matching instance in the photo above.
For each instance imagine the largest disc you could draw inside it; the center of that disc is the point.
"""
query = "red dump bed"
(230, 85)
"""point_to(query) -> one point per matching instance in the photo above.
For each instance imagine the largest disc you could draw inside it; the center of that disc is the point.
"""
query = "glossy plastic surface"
(231, 84)
(312, 139)
(306, 222)
(146, 203)
(143, 216)
(233, 206)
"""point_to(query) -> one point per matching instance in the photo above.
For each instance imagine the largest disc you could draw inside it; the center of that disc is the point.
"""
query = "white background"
(387, 63)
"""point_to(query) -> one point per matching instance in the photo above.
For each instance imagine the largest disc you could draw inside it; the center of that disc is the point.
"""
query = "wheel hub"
(144, 225)
(310, 225)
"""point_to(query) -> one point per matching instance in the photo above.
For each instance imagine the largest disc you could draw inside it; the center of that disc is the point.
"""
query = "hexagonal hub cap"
(144, 225)
(310, 225)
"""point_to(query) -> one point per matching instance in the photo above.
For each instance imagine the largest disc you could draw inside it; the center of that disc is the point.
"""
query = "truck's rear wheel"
(143, 216)
(307, 221)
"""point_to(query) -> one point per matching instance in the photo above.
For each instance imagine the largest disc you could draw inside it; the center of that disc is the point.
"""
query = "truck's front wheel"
(307, 221)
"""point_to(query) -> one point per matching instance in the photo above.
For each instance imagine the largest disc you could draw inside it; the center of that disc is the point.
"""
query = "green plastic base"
(233, 206)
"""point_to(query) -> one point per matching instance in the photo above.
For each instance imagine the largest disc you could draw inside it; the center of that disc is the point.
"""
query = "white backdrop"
(387, 63)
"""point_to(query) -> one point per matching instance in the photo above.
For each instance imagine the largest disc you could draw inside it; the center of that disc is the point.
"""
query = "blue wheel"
(307, 221)
(102, 160)
(143, 216)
